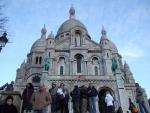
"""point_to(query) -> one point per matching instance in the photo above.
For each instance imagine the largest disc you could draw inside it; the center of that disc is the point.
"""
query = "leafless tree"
(3, 18)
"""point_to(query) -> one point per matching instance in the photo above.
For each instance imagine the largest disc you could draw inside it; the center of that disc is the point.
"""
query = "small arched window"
(79, 62)
(95, 60)
(78, 38)
(61, 70)
(107, 55)
(96, 70)
(75, 42)
(40, 60)
(36, 60)
(67, 34)
(62, 35)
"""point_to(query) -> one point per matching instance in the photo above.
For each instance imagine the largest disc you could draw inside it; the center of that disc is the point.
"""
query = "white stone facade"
(76, 59)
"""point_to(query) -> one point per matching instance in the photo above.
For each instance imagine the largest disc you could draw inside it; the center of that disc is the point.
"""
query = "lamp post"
(3, 41)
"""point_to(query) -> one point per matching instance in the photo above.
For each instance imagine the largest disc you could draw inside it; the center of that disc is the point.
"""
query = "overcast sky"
(127, 23)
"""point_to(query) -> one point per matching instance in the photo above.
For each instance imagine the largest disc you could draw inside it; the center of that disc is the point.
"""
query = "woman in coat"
(8, 106)
(26, 96)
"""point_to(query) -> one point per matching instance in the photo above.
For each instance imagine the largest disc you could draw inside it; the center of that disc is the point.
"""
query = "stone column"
(101, 69)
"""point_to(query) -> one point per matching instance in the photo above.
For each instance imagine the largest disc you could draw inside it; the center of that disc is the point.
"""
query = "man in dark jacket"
(63, 95)
(26, 96)
(75, 94)
(92, 94)
(83, 99)
(53, 92)
(140, 99)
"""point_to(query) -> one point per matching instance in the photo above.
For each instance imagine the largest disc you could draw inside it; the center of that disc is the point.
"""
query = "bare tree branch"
(3, 18)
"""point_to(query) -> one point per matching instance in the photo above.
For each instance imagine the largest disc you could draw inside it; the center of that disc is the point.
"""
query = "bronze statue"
(114, 65)
(46, 63)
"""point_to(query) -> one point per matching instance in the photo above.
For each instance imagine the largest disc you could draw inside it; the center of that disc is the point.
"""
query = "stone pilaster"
(122, 92)
(44, 78)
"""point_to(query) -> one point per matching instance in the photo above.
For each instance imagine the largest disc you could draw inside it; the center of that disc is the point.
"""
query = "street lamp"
(3, 41)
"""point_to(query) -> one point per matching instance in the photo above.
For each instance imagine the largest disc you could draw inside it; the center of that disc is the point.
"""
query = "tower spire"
(72, 12)
(43, 31)
(103, 31)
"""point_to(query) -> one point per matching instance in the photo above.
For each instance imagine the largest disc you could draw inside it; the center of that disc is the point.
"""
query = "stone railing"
(80, 77)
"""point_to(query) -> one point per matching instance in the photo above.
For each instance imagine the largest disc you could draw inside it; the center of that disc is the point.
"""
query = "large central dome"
(70, 23)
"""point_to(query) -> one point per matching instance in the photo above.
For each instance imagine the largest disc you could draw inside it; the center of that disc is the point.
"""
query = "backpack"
(134, 109)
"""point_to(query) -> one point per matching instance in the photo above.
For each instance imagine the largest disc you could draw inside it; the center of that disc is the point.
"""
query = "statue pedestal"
(16, 95)
(44, 79)
(121, 90)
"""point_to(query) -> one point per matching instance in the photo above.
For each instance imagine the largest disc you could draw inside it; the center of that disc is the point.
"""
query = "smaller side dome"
(126, 67)
(40, 44)
(106, 43)
(113, 47)
(51, 35)
(128, 74)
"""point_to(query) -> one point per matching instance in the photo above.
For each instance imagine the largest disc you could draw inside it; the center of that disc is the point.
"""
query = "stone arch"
(92, 56)
(61, 65)
(78, 38)
(101, 95)
(94, 65)
(60, 56)
(33, 77)
(77, 29)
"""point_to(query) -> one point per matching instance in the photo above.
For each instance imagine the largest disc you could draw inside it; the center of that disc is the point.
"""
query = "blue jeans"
(42, 111)
(92, 104)
(142, 107)
(53, 105)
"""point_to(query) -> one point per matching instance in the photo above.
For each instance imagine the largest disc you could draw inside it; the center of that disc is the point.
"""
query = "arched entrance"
(101, 96)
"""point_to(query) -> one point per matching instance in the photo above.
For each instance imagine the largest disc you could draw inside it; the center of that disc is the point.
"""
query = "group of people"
(83, 99)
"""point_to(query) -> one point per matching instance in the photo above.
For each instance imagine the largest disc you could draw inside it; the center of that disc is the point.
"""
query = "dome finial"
(51, 35)
(43, 31)
(72, 12)
(103, 31)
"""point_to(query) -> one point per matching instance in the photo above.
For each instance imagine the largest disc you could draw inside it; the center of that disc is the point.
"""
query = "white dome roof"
(69, 25)
(113, 46)
(39, 45)
(110, 45)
